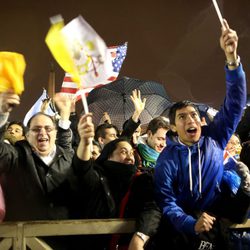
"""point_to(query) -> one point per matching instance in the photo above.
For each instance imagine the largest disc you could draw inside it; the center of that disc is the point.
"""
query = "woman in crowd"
(111, 188)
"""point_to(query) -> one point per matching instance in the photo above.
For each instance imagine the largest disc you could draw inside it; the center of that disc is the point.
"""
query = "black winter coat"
(104, 187)
(33, 190)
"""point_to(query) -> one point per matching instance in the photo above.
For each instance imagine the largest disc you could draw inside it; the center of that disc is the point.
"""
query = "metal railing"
(19, 235)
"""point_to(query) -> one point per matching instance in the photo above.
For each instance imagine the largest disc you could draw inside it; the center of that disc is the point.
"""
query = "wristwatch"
(233, 63)
(142, 236)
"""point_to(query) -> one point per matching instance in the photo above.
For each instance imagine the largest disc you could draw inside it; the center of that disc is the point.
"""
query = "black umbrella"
(114, 98)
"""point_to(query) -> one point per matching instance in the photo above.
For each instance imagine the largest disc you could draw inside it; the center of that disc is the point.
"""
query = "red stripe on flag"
(67, 79)
(112, 78)
(69, 90)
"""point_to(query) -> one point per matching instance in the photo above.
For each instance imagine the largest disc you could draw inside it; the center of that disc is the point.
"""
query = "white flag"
(118, 54)
(89, 52)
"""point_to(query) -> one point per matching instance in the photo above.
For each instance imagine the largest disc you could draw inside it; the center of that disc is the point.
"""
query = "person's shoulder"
(63, 148)
(22, 144)
(172, 148)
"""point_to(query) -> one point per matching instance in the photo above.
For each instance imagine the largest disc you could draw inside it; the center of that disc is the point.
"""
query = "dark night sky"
(175, 43)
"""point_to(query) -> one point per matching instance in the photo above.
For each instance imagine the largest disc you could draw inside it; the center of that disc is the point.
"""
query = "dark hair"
(180, 105)
(156, 123)
(101, 130)
(109, 148)
(95, 143)
(245, 153)
(41, 113)
(19, 124)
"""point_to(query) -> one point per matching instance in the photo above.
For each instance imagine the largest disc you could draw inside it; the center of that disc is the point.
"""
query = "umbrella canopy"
(114, 98)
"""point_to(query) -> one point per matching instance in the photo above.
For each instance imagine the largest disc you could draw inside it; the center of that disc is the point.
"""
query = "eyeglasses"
(38, 130)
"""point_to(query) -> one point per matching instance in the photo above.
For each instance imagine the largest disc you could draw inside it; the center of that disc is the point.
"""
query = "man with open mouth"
(188, 174)
(36, 173)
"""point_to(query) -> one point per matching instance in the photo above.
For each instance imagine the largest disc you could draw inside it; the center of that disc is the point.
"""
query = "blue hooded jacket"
(188, 178)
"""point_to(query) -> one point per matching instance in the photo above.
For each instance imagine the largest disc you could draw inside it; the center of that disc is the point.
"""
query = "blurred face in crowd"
(110, 135)
(136, 134)
(157, 141)
(124, 153)
(42, 134)
(233, 145)
(187, 125)
(96, 152)
(14, 133)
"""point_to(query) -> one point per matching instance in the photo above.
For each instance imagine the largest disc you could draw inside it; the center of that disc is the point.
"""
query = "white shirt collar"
(48, 158)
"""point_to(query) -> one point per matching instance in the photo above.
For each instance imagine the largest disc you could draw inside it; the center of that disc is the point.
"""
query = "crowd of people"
(183, 180)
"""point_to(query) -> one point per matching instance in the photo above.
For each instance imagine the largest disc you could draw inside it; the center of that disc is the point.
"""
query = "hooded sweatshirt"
(189, 178)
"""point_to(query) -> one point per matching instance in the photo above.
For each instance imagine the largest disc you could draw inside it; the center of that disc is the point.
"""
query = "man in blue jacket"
(188, 173)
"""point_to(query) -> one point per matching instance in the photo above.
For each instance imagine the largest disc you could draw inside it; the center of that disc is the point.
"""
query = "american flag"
(118, 54)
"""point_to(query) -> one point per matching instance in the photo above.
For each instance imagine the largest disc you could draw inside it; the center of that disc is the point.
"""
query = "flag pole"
(231, 157)
(218, 12)
(51, 88)
(84, 102)
(217, 9)
(51, 82)
(86, 110)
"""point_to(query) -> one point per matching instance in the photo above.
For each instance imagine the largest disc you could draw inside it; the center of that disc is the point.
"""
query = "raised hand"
(63, 103)
(229, 42)
(139, 104)
(8, 100)
(86, 128)
(86, 132)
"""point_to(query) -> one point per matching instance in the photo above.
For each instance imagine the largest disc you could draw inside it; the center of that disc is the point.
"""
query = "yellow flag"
(12, 67)
(57, 44)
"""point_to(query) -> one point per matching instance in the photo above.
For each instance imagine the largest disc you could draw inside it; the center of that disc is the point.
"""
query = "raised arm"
(139, 104)
(63, 103)
(8, 154)
(64, 136)
(86, 132)
(133, 123)
(226, 120)
(8, 100)
(229, 43)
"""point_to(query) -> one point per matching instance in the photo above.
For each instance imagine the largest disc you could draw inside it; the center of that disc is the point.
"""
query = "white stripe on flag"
(68, 84)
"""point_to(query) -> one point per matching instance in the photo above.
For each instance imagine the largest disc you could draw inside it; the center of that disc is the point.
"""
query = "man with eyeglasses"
(38, 177)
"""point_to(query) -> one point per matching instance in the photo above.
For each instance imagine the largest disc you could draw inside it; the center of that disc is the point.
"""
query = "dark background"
(175, 42)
